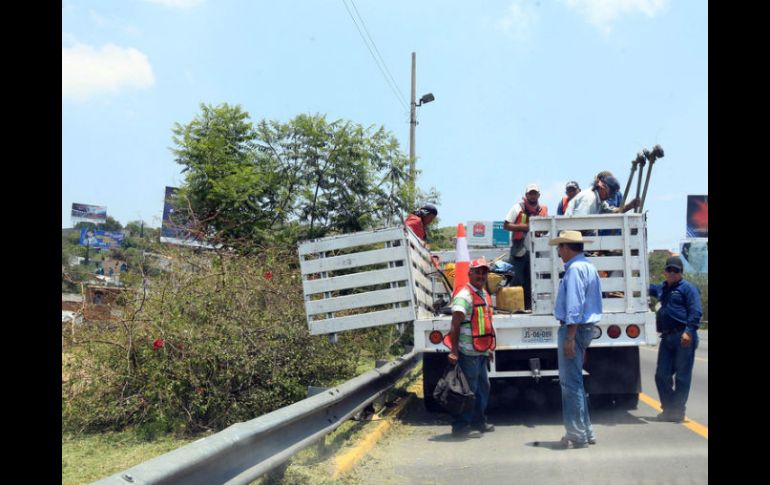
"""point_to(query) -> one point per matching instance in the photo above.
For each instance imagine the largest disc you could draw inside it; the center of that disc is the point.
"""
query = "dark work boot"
(484, 427)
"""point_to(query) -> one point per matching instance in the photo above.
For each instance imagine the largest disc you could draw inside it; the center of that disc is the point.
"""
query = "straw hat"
(568, 237)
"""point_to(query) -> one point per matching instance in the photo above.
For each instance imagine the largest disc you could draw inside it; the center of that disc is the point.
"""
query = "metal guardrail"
(245, 451)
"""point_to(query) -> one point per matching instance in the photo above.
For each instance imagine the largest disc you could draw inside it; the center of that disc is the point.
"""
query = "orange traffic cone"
(462, 260)
(462, 264)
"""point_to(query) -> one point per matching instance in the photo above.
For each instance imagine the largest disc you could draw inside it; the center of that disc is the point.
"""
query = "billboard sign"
(94, 238)
(500, 237)
(479, 233)
(695, 255)
(487, 233)
(88, 213)
(697, 216)
(174, 228)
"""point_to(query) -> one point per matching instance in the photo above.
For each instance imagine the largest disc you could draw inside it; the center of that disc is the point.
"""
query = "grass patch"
(87, 458)
(90, 457)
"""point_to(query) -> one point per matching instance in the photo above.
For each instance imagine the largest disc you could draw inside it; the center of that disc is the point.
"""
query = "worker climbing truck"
(387, 277)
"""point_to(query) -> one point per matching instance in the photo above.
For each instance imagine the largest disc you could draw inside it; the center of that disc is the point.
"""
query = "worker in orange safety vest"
(472, 340)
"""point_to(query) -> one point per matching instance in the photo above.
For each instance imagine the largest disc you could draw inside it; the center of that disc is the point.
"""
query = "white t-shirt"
(587, 202)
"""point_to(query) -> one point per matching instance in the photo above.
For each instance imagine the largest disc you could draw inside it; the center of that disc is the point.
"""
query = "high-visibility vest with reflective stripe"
(521, 218)
(482, 331)
(564, 203)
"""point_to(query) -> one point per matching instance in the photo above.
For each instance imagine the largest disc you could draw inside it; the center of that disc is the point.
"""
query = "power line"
(403, 98)
(387, 80)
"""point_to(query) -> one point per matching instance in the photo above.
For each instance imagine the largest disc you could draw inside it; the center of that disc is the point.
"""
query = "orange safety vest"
(482, 331)
(522, 219)
(564, 203)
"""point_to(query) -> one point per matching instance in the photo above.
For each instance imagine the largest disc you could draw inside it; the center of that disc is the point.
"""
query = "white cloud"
(517, 21)
(113, 23)
(177, 3)
(98, 19)
(88, 71)
(601, 13)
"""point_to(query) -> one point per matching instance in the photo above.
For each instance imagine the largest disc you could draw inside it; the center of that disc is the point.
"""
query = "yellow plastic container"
(449, 272)
(492, 281)
(510, 298)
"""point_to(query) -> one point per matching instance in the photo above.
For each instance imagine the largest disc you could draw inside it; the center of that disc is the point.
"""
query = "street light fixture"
(426, 99)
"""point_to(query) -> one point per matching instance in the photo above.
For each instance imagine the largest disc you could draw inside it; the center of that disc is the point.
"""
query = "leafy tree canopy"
(250, 183)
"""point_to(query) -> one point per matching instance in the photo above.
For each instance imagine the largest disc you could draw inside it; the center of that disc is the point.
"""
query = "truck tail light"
(633, 331)
(435, 337)
(596, 332)
(613, 331)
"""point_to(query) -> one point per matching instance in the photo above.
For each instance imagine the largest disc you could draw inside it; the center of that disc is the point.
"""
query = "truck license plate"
(537, 335)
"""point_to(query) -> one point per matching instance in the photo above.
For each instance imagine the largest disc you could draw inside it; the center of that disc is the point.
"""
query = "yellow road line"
(655, 350)
(688, 423)
(345, 462)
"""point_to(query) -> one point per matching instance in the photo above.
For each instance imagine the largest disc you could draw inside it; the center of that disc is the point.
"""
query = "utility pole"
(412, 125)
(426, 98)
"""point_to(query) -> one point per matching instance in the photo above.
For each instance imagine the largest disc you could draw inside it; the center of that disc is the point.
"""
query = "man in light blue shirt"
(578, 307)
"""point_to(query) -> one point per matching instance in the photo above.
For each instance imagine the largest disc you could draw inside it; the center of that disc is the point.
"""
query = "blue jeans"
(673, 374)
(574, 402)
(475, 369)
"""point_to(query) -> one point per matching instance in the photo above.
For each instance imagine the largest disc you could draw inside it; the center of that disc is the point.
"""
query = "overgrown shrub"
(220, 339)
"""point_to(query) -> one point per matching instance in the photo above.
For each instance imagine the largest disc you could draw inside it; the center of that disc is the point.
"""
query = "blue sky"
(526, 91)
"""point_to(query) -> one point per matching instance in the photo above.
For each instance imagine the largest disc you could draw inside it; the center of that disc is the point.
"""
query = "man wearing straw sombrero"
(578, 308)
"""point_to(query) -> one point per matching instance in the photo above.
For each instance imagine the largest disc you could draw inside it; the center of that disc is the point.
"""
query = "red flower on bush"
(158, 343)
(268, 275)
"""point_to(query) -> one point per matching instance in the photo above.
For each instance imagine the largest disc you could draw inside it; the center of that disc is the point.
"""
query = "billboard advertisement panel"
(487, 234)
(88, 213)
(479, 233)
(697, 216)
(174, 229)
(695, 255)
(95, 238)
(500, 237)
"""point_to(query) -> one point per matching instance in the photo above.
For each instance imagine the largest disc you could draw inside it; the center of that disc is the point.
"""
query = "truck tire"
(433, 365)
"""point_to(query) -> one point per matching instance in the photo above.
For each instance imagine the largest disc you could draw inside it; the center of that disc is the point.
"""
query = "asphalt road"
(632, 447)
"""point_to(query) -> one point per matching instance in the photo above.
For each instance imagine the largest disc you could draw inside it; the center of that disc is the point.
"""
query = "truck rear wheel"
(433, 365)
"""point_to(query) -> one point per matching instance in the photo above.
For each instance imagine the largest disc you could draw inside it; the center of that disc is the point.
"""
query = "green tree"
(222, 186)
(279, 181)
(110, 224)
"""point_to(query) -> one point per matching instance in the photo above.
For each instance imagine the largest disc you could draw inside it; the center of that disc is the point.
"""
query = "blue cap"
(611, 183)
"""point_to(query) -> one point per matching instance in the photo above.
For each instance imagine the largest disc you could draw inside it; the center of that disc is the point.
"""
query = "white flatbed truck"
(386, 276)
